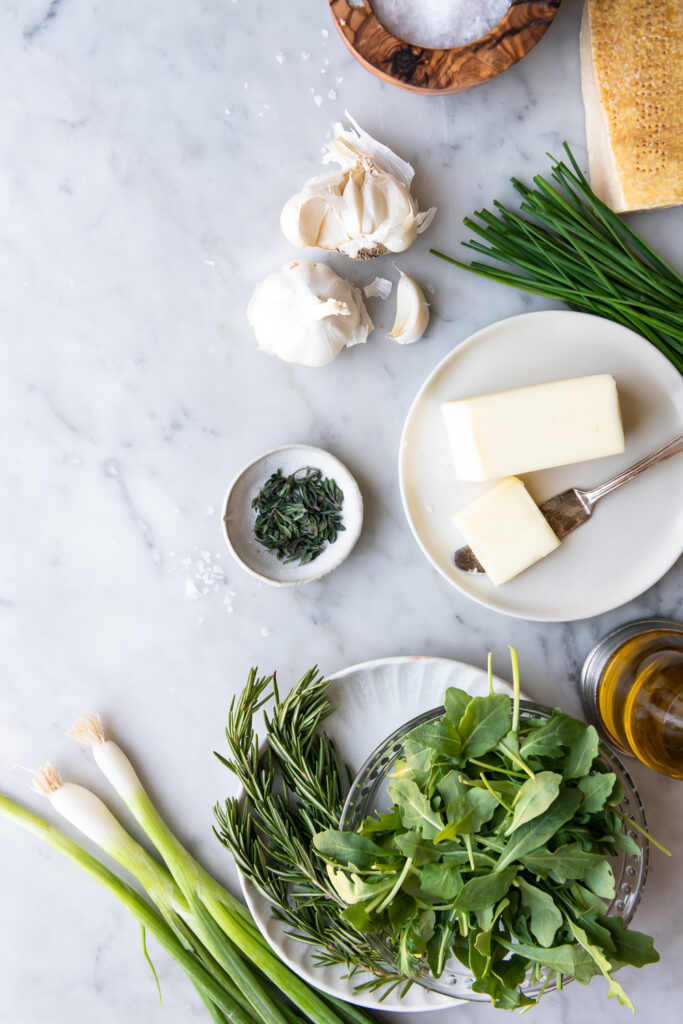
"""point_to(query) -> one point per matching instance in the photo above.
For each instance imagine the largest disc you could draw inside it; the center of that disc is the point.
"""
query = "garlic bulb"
(305, 313)
(363, 210)
(412, 311)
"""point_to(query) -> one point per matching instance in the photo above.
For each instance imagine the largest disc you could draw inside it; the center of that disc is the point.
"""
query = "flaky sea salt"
(440, 23)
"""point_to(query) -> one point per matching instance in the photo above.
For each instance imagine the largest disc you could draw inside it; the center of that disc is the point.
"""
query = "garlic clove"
(412, 311)
(363, 210)
(305, 313)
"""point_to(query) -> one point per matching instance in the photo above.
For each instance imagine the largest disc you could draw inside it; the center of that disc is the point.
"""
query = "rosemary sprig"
(577, 250)
(294, 787)
(297, 515)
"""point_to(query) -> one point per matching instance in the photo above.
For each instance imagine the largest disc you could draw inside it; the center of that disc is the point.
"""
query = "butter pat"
(534, 427)
(506, 530)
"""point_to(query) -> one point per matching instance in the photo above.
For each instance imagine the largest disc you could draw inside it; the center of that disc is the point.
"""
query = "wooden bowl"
(435, 72)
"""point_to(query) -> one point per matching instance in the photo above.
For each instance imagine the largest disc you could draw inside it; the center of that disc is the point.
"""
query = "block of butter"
(506, 530)
(535, 427)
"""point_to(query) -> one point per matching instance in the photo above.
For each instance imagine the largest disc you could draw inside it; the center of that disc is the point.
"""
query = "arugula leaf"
(416, 810)
(545, 917)
(484, 723)
(440, 880)
(467, 813)
(539, 830)
(455, 702)
(534, 797)
(569, 861)
(484, 891)
(596, 790)
(600, 880)
(548, 741)
(631, 947)
(348, 848)
(439, 737)
(582, 753)
(568, 958)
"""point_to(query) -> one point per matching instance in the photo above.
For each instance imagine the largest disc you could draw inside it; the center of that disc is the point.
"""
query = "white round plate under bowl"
(635, 534)
(239, 516)
(371, 701)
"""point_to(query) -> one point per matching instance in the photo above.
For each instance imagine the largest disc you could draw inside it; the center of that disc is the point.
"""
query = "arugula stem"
(639, 828)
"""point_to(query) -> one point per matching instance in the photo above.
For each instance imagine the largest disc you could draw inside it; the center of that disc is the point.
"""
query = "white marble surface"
(145, 153)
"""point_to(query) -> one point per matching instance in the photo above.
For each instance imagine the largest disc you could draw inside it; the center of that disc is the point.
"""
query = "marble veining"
(145, 153)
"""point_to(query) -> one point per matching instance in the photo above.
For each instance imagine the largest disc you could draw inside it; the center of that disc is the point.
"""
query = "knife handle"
(667, 451)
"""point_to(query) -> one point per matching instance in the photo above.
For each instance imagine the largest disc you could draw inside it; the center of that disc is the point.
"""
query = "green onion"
(580, 252)
(218, 919)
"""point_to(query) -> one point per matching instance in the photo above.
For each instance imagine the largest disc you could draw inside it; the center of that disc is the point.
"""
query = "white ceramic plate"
(239, 517)
(635, 534)
(371, 701)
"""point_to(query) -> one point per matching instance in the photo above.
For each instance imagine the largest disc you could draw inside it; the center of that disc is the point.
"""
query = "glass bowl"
(368, 793)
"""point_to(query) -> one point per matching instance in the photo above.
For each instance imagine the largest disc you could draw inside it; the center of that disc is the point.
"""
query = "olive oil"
(637, 692)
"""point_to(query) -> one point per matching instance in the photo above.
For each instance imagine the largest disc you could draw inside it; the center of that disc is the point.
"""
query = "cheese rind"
(536, 427)
(632, 83)
(506, 530)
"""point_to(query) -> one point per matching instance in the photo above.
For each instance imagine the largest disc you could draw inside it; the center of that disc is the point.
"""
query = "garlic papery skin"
(305, 313)
(412, 311)
(364, 209)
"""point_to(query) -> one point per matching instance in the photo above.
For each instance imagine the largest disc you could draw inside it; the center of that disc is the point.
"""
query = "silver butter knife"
(572, 508)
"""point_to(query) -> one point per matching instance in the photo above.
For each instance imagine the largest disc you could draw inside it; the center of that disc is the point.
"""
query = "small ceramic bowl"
(239, 517)
(435, 72)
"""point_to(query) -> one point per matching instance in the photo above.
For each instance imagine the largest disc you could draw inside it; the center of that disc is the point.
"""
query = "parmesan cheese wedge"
(632, 83)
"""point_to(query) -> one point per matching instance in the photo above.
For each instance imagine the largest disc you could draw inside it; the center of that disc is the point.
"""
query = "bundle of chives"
(208, 931)
(579, 251)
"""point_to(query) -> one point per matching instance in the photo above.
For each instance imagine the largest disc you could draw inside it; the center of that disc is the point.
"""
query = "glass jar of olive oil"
(632, 692)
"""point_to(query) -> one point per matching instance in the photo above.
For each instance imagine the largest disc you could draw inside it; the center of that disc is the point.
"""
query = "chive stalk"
(575, 249)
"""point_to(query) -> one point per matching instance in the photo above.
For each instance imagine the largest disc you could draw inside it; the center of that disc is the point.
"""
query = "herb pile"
(579, 251)
(496, 850)
(294, 786)
(297, 515)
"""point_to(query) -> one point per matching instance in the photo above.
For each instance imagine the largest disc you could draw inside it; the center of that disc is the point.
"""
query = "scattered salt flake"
(326, 62)
(339, 80)
(305, 56)
(200, 619)
(331, 95)
(324, 33)
(264, 631)
(246, 86)
(191, 591)
(210, 510)
(318, 100)
(210, 263)
(280, 58)
(228, 112)
(380, 288)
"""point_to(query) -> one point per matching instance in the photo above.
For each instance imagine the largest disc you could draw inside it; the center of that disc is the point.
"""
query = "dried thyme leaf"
(297, 515)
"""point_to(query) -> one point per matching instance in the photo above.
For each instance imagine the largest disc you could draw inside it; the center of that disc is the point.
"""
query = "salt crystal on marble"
(191, 592)
(440, 23)
(280, 58)
(264, 631)
(331, 95)
(305, 56)
(318, 100)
